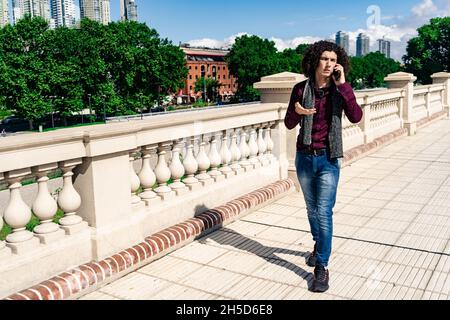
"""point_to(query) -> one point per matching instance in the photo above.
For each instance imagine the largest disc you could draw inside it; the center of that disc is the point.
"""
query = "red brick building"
(209, 63)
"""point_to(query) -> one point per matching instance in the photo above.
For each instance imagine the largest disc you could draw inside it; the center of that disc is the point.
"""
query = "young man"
(317, 104)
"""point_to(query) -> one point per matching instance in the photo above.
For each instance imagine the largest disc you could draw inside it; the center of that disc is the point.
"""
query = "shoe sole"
(310, 263)
(319, 288)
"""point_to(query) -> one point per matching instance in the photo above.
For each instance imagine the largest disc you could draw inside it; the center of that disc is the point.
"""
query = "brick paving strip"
(88, 277)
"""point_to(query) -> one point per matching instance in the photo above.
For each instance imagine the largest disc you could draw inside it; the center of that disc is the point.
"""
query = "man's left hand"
(340, 68)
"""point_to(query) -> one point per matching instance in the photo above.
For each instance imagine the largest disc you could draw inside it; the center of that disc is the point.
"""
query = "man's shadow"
(269, 254)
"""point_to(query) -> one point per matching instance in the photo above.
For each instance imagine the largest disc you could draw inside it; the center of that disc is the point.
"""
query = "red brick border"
(90, 274)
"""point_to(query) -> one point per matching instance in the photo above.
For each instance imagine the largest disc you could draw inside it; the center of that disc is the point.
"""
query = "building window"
(190, 67)
(214, 72)
(196, 77)
(218, 77)
(203, 72)
(190, 77)
(190, 87)
(196, 68)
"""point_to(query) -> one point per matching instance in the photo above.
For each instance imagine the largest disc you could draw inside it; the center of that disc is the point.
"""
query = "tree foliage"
(370, 70)
(429, 52)
(212, 86)
(110, 69)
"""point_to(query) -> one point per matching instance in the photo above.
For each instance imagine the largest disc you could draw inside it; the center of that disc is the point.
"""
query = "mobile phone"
(337, 74)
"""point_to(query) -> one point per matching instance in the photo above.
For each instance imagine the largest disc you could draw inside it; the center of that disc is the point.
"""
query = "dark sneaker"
(321, 279)
(312, 258)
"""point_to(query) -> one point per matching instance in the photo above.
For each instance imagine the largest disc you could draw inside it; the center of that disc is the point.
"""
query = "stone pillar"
(277, 88)
(444, 77)
(103, 183)
(403, 80)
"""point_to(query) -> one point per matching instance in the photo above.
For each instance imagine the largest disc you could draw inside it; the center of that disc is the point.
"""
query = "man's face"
(327, 62)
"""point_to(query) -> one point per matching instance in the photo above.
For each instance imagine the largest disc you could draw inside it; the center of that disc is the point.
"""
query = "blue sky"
(216, 23)
(287, 22)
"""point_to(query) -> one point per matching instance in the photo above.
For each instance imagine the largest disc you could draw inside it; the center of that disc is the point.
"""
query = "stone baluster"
(253, 149)
(225, 155)
(147, 177)
(177, 170)
(269, 142)
(134, 181)
(191, 166)
(203, 165)
(235, 154)
(45, 207)
(4, 251)
(215, 160)
(261, 146)
(17, 214)
(69, 200)
(245, 151)
(163, 173)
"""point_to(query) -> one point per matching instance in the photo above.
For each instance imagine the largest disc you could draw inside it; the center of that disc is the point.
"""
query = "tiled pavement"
(391, 238)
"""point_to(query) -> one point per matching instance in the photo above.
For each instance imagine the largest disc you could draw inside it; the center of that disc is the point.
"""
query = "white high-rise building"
(384, 46)
(105, 11)
(4, 13)
(35, 8)
(362, 45)
(63, 13)
(342, 40)
(128, 10)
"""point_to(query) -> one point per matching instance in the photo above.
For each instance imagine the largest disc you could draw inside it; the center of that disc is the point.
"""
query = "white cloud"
(282, 44)
(213, 43)
(425, 8)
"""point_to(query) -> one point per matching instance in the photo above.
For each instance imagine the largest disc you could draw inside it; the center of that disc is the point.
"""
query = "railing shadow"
(269, 254)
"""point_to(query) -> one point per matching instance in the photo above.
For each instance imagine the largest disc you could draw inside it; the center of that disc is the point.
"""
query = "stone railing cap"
(280, 80)
(441, 75)
(400, 76)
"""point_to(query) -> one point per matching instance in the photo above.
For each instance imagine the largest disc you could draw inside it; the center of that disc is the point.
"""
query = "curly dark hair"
(312, 55)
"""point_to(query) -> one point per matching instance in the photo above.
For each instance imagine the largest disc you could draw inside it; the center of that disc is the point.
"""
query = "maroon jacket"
(322, 117)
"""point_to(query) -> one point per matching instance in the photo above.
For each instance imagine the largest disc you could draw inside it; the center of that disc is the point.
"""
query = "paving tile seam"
(436, 265)
(363, 240)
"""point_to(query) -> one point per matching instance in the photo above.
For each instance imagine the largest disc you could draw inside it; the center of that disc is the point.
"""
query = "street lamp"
(140, 98)
(89, 98)
(104, 108)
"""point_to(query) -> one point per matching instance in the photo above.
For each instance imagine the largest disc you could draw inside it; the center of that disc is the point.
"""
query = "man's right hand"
(302, 111)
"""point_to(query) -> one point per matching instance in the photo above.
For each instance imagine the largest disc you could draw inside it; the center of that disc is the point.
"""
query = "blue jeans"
(319, 177)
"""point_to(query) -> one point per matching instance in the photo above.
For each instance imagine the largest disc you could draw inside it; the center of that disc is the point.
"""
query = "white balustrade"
(146, 175)
(45, 207)
(177, 171)
(203, 165)
(253, 149)
(245, 151)
(163, 173)
(226, 156)
(235, 154)
(134, 181)
(69, 200)
(269, 142)
(262, 147)
(17, 214)
(191, 166)
(215, 160)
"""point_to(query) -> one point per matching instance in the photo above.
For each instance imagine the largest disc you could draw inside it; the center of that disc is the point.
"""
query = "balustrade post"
(235, 154)
(215, 159)
(147, 177)
(191, 166)
(45, 207)
(403, 80)
(245, 151)
(262, 147)
(17, 215)
(226, 156)
(203, 164)
(177, 170)
(134, 181)
(163, 173)
(364, 124)
(253, 149)
(444, 77)
(269, 142)
(69, 200)
(5, 252)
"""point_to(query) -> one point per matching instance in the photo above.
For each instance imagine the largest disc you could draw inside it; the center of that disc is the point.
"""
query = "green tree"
(24, 79)
(370, 70)
(212, 87)
(429, 52)
(249, 59)
(290, 60)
